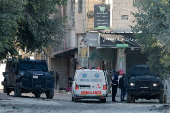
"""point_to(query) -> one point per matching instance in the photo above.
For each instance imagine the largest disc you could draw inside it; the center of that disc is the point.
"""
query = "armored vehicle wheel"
(128, 99)
(133, 99)
(37, 95)
(17, 91)
(50, 94)
(5, 89)
(161, 98)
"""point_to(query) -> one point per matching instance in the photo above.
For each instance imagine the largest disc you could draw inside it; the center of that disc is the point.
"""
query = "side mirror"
(51, 72)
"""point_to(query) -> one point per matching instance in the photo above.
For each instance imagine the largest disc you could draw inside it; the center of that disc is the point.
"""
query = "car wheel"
(128, 98)
(5, 89)
(50, 94)
(161, 98)
(17, 90)
(37, 95)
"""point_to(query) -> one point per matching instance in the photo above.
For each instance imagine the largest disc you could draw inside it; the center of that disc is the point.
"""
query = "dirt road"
(62, 104)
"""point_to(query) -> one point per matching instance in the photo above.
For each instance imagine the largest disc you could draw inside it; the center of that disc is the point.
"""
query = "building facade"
(98, 34)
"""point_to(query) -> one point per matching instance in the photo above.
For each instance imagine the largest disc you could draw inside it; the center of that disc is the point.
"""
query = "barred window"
(80, 6)
(124, 17)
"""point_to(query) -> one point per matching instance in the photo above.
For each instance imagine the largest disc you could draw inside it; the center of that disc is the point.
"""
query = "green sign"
(121, 59)
(122, 45)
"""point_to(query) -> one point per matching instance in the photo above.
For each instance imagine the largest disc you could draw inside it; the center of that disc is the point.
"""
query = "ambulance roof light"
(98, 68)
(80, 67)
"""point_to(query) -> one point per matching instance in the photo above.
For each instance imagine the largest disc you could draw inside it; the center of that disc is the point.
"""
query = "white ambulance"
(89, 84)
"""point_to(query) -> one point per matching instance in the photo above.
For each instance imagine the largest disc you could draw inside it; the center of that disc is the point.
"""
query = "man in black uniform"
(114, 85)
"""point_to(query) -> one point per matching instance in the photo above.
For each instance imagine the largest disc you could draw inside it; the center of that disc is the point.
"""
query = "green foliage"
(30, 24)
(9, 15)
(153, 21)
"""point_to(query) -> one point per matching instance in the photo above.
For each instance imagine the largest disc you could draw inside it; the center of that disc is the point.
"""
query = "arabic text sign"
(101, 16)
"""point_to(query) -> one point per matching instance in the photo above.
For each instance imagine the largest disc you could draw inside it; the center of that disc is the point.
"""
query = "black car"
(144, 84)
(24, 76)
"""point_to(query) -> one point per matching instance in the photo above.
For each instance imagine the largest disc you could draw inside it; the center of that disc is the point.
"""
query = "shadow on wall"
(2, 69)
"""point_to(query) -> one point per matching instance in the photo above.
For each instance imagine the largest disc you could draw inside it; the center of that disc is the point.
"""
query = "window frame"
(80, 6)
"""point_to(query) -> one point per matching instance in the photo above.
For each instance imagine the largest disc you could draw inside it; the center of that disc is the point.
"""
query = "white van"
(89, 84)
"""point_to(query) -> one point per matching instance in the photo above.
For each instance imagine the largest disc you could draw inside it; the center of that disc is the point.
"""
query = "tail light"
(98, 68)
(104, 87)
(77, 86)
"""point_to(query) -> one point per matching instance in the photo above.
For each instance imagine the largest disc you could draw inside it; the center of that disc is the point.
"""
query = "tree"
(153, 33)
(10, 13)
(29, 24)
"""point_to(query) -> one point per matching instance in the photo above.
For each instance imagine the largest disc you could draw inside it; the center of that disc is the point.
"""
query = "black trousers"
(114, 92)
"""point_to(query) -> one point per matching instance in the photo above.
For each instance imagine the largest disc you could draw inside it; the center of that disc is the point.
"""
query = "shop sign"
(121, 59)
(122, 45)
(92, 39)
(118, 40)
(101, 16)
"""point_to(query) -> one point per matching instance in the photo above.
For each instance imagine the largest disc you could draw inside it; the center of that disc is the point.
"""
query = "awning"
(64, 53)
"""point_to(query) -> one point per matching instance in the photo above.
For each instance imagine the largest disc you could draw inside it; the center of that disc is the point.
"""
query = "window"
(124, 17)
(80, 6)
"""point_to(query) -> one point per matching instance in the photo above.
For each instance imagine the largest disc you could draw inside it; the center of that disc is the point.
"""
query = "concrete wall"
(80, 25)
(120, 8)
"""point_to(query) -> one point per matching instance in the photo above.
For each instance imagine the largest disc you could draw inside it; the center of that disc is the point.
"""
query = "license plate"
(84, 87)
(36, 77)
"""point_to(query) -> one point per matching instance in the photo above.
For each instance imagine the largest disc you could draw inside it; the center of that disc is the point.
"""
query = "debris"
(3, 96)
(45, 99)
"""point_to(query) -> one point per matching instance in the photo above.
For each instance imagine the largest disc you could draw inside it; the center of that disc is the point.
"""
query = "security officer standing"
(114, 85)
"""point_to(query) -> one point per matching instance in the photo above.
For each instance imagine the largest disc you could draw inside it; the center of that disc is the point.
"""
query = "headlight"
(132, 84)
(155, 84)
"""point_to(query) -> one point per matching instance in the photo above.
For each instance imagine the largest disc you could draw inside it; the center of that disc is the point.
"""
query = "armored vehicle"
(24, 76)
(144, 84)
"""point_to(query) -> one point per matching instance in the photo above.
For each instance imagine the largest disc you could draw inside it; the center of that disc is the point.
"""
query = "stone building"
(98, 34)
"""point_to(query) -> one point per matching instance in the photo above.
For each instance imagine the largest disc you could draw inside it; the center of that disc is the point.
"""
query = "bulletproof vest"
(115, 80)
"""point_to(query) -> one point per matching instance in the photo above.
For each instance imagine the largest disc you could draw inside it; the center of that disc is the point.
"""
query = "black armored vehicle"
(144, 84)
(24, 76)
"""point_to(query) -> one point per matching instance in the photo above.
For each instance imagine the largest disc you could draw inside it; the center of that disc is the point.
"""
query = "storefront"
(115, 51)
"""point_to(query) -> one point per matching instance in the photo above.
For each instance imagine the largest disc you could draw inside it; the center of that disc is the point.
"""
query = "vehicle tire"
(104, 100)
(132, 99)
(37, 95)
(72, 98)
(17, 90)
(50, 94)
(165, 98)
(161, 98)
(5, 89)
(75, 99)
(128, 98)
